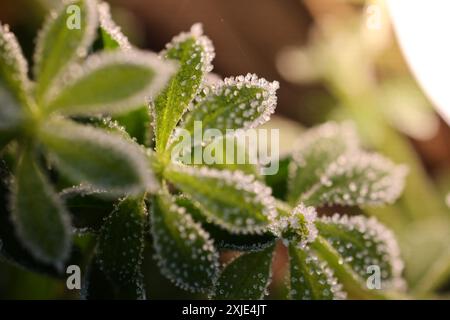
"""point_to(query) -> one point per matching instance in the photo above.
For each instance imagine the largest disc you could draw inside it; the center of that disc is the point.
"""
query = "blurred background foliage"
(333, 62)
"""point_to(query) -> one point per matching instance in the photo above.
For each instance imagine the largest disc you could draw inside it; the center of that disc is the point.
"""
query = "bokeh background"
(334, 59)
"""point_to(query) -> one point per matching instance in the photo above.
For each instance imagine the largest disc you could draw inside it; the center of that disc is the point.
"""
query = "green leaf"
(363, 243)
(224, 239)
(109, 82)
(92, 156)
(14, 82)
(357, 179)
(138, 124)
(315, 150)
(11, 250)
(97, 286)
(111, 34)
(246, 277)
(41, 220)
(194, 52)
(120, 247)
(61, 42)
(278, 182)
(234, 103)
(185, 252)
(232, 200)
(223, 153)
(88, 208)
(311, 278)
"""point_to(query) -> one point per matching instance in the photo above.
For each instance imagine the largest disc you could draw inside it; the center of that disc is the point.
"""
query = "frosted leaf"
(246, 277)
(358, 179)
(42, 222)
(224, 239)
(111, 33)
(92, 156)
(232, 200)
(87, 207)
(120, 245)
(14, 82)
(238, 157)
(363, 242)
(194, 53)
(58, 45)
(12, 249)
(314, 151)
(242, 102)
(185, 253)
(311, 278)
(97, 286)
(109, 82)
(297, 227)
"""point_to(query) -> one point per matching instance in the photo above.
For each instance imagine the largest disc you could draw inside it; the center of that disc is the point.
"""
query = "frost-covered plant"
(329, 257)
(36, 114)
(189, 213)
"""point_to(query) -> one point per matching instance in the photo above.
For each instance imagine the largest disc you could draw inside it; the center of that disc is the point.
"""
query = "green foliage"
(41, 219)
(235, 103)
(246, 277)
(98, 85)
(57, 45)
(185, 252)
(92, 156)
(329, 168)
(120, 247)
(362, 242)
(87, 208)
(66, 83)
(231, 199)
(194, 53)
(127, 193)
(314, 152)
(310, 278)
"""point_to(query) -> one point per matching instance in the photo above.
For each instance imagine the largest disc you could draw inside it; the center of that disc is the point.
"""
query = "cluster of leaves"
(128, 190)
